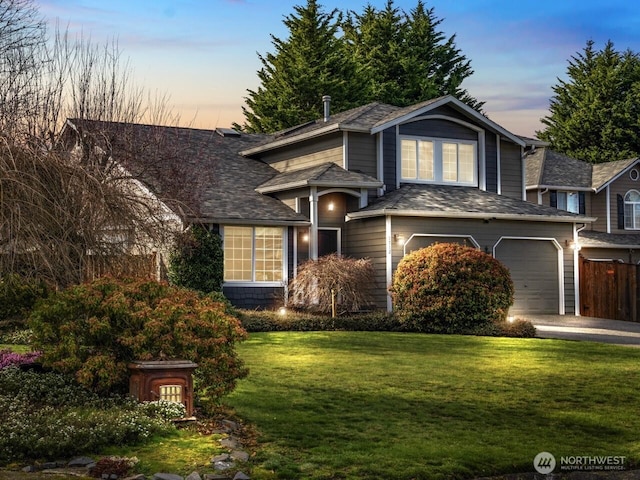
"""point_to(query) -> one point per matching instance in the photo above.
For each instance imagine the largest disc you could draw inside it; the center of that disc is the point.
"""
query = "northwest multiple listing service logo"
(545, 463)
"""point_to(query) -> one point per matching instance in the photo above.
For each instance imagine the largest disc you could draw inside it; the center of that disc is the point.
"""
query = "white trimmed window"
(253, 254)
(632, 210)
(438, 161)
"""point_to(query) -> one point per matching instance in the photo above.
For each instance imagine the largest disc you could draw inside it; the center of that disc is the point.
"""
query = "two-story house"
(609, 191)
(377, 181)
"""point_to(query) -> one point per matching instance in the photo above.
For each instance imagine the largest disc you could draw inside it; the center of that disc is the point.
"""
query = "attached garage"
(535, 265)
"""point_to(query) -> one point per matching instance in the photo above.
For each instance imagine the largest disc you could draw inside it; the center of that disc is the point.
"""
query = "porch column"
(313, 228)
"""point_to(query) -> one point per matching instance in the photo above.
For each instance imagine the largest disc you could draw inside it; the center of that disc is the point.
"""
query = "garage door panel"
(534, 270)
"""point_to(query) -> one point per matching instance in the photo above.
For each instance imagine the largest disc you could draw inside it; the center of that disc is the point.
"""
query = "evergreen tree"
(309, 64)
(432, 64)
(380, 55)
(375, 40)
(595, 114)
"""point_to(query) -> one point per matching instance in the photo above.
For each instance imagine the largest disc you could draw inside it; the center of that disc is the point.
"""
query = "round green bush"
(451, 288)
(94, 330)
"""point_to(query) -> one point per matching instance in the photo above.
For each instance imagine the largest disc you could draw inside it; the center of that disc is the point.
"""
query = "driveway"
(568, 327)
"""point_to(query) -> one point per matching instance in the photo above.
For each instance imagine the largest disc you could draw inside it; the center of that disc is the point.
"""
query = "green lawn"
(404, 406)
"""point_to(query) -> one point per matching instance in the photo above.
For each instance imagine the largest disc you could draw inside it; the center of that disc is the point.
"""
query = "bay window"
(438, 161)
(253, 254)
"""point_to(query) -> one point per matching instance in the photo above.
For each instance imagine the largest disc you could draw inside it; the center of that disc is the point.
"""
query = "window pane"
(425, 160)
(449, 162)
(572, 202)
(269, 254)
(562, 200)
(409, 159)
(237, 253)
(466, 163)
(636, 216)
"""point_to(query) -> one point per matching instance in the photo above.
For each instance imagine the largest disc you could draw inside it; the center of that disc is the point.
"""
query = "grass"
(408, 406)
(184, 452)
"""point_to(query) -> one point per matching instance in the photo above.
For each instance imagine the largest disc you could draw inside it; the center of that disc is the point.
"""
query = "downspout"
(540, 194)
(576, 268)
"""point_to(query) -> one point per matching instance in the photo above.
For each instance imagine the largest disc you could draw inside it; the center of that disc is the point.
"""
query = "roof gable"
(546, 168)
(373, 118)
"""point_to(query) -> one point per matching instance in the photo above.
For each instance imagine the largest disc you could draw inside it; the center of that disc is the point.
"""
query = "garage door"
(534, 270)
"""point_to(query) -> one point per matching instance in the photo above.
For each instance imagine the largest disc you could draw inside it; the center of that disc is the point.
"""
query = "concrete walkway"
(569, 327)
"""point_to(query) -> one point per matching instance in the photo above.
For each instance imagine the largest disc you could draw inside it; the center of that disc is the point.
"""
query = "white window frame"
(438, 160)
(564, 205)
(253, 281)
(630, 220)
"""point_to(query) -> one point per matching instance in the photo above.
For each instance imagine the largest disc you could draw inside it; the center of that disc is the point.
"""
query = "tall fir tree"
(595, 114)
(405, 58)
(309, 64)
(380, 55)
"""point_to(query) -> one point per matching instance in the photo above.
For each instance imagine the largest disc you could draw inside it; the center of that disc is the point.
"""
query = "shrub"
(49, 416)
(94, 330)
(18, 295)
(347, 278)
(10, 359)
(451, 288)
(270, 321)
(163, 409)
(197, 260)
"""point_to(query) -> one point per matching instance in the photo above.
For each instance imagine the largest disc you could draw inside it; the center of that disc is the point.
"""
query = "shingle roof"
(549, 169)
(462, 202)
(593, 239)
(328, 174)
(603, 173)
(545, 167)
(197, 173)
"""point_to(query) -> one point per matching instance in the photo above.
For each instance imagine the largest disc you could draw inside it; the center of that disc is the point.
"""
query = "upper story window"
(253, 254)
(438, 161)
(570, 201)
(632, 210)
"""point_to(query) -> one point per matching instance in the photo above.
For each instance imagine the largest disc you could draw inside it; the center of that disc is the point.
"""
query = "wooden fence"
(609, 290)
(139, 266)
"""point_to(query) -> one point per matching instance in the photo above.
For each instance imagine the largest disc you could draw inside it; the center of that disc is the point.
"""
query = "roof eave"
(283, 142)
(251, 221)
(473, 215)
(317, 183)
(560, 187)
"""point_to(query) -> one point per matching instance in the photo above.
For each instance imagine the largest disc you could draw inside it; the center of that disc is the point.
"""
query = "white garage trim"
(469, 237)
(561, 309)
(389, 260)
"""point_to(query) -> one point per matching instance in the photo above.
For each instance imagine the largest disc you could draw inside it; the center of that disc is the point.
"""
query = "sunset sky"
(204, 53)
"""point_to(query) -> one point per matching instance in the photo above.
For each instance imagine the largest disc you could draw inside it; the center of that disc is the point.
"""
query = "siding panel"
(307, 154)
(362, 154)
(511, 174)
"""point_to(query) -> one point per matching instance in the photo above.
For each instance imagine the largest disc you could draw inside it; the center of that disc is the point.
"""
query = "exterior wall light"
(398, 238)
(331, 207)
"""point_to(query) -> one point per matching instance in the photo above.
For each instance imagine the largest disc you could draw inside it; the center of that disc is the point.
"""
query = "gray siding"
(491, 162)
(511, 174)
(362, 155)
(389, 158)
(487, 236)
(307, 154)
(599, 209)
(253, 298)
(619, 187)
(438, 128)
(366, 239)
(623, 255)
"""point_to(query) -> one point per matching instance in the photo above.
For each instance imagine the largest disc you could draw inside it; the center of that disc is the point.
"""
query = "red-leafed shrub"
(451, 288)
(94, 330)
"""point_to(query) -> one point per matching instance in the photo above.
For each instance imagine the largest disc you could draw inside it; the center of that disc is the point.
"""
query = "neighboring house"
(609, 191)
(377, 181)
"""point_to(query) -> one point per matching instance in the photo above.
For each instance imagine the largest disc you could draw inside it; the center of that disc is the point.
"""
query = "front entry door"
(328, 241)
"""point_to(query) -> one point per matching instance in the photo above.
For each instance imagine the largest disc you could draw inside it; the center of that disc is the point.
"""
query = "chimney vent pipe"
(326, 101)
